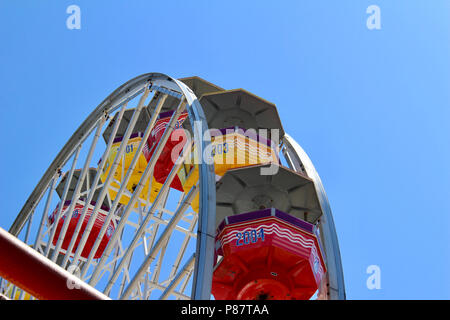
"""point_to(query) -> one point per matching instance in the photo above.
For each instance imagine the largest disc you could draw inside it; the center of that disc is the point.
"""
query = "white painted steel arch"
(299, 161)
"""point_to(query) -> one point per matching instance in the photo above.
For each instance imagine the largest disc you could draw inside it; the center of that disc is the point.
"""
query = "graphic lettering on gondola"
(234, 149)
(284, 237)
(249, 237)
(128, 149)
(219, 149)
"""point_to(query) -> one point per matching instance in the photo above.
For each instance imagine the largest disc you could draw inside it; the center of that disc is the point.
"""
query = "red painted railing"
(37, 275)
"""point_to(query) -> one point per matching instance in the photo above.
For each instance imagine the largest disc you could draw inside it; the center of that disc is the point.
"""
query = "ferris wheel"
(180, 189)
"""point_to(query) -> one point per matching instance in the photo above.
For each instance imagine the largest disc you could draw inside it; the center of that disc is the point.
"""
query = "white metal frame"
(134, 268)
(299, 161)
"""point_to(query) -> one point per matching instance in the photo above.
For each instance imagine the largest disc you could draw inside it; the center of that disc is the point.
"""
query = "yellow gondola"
(125, 162)
(231, 148)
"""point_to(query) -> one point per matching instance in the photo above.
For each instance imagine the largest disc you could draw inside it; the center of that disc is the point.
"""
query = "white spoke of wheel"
(164, 236)
(156, 286)
(76, 192)
(63, 199)
(146, 175)
(51, 189)
(129, 207)
(183, 247)
(187, 269)
(112, 171)
(159, 198)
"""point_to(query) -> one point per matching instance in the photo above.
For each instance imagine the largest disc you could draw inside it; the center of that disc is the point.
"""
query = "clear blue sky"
(370, 107)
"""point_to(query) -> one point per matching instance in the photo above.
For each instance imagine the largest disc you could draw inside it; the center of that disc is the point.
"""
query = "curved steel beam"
(204, 262)
(302, 163)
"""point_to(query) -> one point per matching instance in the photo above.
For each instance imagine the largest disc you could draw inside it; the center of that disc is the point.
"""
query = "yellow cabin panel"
(232, 150)
(124, 165)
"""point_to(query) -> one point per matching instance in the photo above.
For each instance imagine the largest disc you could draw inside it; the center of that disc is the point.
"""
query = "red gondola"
(267, 255)
(172, 148)
(74, 218)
